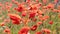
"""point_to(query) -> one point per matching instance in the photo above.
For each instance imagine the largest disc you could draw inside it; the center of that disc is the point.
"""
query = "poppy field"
(29, 16)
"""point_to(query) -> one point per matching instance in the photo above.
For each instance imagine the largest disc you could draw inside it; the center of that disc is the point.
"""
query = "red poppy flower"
(39, 23)
(46, 31)
(20, 8)
(2, 24)
(46, 17)
(24, 14)
(50, 6)
(34, 27)
(38, 32)
(7, 30)
(33, 7)
(42, 19)
(32, 15)
(24, 30)
(15, 22)
(51, 22)
(15, 18)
